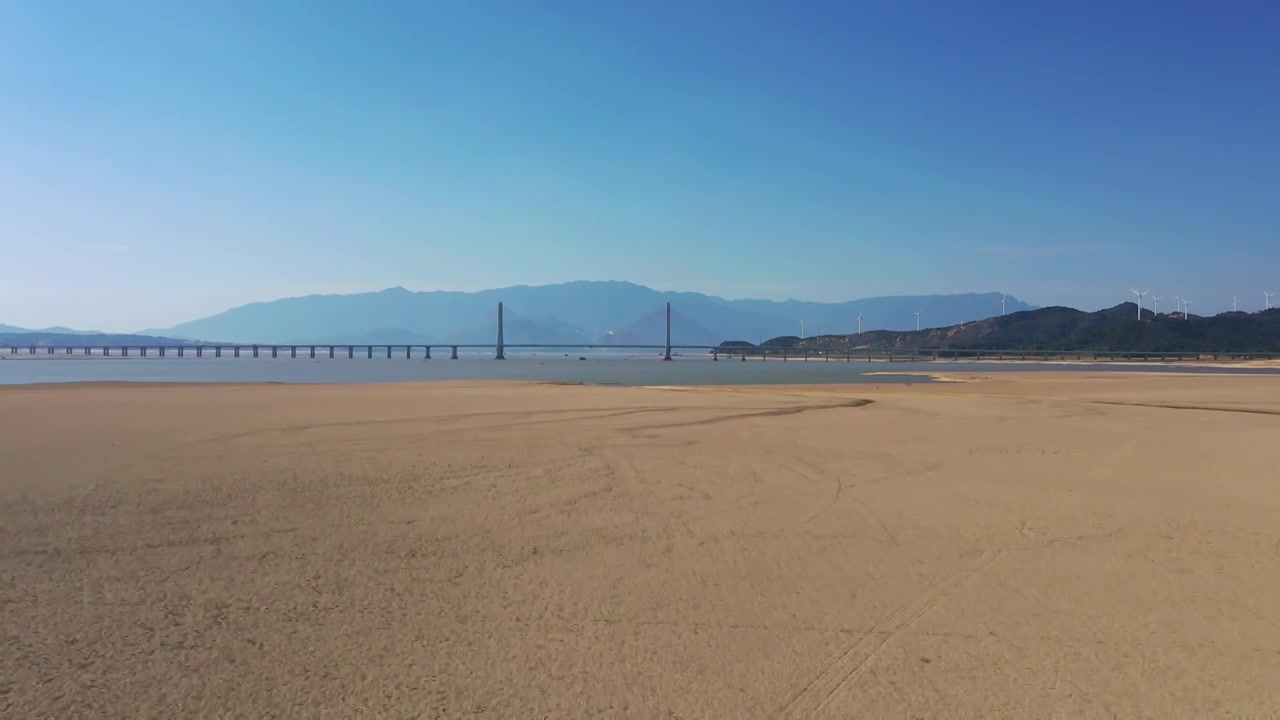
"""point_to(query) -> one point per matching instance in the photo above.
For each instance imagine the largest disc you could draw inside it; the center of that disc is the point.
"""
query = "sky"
(164, 161)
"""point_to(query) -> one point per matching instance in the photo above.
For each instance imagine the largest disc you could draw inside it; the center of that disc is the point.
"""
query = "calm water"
(595, 370)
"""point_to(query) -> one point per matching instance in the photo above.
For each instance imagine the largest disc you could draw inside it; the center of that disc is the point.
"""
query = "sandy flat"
(1067, 545)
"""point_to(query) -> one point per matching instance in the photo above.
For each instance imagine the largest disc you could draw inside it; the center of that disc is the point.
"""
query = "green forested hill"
(1115, 329)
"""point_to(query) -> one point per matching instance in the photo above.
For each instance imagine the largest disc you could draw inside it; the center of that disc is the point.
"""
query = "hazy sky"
(161, 161)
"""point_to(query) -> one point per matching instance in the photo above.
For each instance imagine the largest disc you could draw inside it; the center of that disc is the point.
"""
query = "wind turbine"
(1235, 304)
(1155, 305)
(1002, 299)
(918, 320)
(1140, 296)
(801, 329)
(1268, 296)
(1186, 315)
(859, 323)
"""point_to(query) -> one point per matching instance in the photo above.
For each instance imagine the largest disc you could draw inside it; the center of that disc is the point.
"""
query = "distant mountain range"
(1115, 329)
(569, 313)
(41, 338)
(10, 329)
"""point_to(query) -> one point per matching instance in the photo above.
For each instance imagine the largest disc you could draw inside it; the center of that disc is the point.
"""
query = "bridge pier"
(49, 351)
(106, 351)
(275, 351)
(502, 350)
(369, 348)
(351, 351)
(293, 351)
(162, 349)
(408, 352)
(255, 351)
(330, 352)
(715, 355)
(199, 351)
(744, 356)
(455, 352)
(388, 352)
(68, 351)
(142, 351)
(428, 357)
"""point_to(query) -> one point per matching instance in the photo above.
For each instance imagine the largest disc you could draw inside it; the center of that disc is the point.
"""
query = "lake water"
(594, 369)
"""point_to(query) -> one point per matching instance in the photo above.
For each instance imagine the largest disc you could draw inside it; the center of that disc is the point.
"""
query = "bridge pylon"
(502, 349)
(667, 354)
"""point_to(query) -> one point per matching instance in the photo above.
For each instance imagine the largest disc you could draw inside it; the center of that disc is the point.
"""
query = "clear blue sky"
(161, 161)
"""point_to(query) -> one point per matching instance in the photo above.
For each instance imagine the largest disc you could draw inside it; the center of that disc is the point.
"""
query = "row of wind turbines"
(1003, 300)
(918, 314)
(1184, 305)
(803, 325)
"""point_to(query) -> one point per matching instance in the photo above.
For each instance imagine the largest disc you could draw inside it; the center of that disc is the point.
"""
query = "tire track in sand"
(853, 661)
(768, 412)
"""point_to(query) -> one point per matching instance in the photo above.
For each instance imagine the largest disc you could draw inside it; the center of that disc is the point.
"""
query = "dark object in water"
(582, 358)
